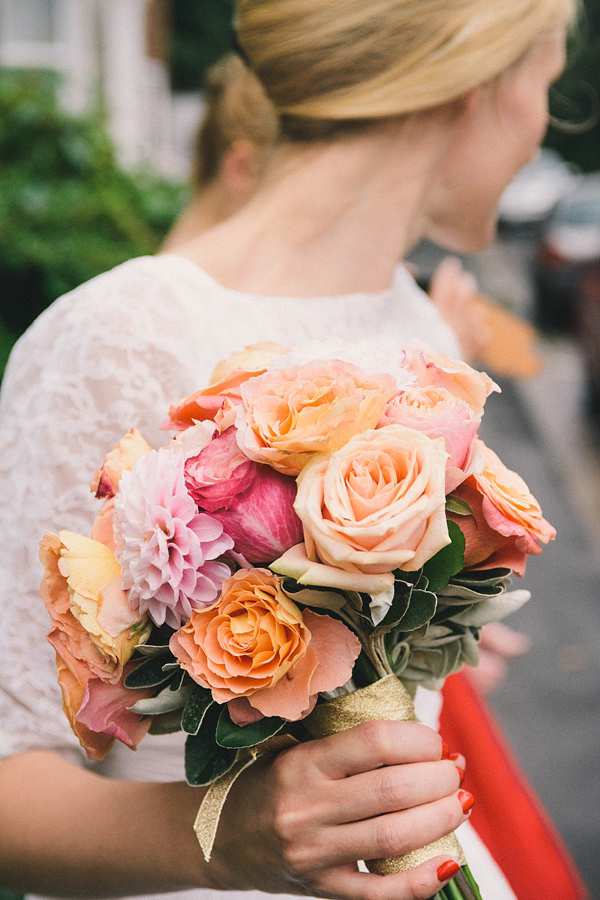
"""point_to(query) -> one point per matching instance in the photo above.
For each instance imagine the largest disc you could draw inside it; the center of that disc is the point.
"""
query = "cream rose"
(290, 414)
(377, 504)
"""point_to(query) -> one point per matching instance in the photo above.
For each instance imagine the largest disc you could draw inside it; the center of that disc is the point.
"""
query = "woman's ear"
(240, 169)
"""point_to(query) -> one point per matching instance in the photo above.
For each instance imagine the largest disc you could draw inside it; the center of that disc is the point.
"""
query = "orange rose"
(291, 414)
(224, 386)
(256, 644)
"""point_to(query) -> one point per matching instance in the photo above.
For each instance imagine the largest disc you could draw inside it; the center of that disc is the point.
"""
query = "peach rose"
(255, 650)
(439, 370)
(121, 458)
(224, 386)
(290, 414)
(508, 505)
(88, 610)
(437, 412)
(377, 504)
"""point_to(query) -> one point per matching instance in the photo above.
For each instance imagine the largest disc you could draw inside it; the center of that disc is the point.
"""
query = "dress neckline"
(202, 275)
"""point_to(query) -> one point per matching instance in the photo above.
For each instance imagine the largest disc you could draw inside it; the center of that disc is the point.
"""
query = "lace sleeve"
(105, 358)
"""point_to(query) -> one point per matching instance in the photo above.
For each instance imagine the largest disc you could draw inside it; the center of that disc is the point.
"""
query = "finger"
(419, 883)
(373, 744)
(504, 641)
(393, 834)
(393, 788)
(489, 673)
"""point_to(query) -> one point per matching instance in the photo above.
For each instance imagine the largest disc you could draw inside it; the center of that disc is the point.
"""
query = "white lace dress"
(112, 354)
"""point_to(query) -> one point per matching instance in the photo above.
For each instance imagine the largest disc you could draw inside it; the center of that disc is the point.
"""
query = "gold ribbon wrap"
(385, 699)
(209, 814)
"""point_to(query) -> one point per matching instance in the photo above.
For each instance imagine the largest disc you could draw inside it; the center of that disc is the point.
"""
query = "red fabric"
(507, 814)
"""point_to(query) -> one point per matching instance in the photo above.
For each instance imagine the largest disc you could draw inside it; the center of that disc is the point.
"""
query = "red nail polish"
(445, 751)
(447, 870)
(461, 774)
(454, 756)
(466, 800)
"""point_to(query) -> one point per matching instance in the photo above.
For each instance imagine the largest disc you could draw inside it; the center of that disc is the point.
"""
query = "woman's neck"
(329, 219)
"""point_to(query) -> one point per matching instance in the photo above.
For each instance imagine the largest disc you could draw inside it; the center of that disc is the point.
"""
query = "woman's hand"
(299, 822)
(453, 290)
(497, 646)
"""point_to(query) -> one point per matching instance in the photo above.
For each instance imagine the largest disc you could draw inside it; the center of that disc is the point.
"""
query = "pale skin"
(298, 823)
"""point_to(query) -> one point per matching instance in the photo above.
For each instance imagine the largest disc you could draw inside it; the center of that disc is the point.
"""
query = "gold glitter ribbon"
(209, 814)
(385, 699)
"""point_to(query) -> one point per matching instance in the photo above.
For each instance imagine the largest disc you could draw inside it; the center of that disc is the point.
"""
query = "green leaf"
(400, 604)
(483, 576)
(493, 609)
(205, 760)
(150, 673)
(319, 598)
(364, 673)
(458, 506)
(195, 709)
(459, 593)
(166, 701)
(228, 734)
(420, 611)
(448, 561)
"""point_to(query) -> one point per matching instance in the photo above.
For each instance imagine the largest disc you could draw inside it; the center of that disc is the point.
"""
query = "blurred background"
(100, 101)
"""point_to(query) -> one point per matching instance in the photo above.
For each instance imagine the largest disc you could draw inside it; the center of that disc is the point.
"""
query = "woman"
(403, 120)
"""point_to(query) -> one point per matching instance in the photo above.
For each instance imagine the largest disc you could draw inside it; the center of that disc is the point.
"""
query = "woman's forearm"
(68, 832)
(297, 822)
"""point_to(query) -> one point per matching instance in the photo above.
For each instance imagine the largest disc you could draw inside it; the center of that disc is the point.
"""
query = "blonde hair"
(236, 108)
(358, 60)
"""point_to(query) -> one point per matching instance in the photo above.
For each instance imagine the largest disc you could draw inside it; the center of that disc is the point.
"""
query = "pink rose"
(290, 414)
(105, 712)
(224, 386)
(460, 379)
(377, 504)
(121, 458)
(253, 502)
(97, 711)
(437, 412)
(255, 650)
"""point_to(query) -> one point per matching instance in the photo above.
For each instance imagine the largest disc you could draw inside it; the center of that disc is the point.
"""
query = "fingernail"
(447, 870)
(454, 756)
(466, 800)
(461, 774)
(445, 751)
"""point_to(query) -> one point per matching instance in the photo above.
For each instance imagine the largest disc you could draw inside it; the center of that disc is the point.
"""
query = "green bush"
(67, 212)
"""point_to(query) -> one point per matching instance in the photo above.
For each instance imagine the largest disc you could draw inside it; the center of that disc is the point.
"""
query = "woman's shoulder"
(144, 281)
(147, 300)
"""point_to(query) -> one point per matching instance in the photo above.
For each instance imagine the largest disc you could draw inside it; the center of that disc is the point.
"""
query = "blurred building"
(112, 53)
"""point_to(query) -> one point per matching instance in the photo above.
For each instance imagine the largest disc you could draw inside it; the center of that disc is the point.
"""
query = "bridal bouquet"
(320, 535)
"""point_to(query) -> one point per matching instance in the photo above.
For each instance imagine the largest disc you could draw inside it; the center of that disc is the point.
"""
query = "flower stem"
(462, 887)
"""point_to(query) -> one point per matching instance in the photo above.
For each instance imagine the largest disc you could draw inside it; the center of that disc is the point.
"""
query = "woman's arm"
(297, 823)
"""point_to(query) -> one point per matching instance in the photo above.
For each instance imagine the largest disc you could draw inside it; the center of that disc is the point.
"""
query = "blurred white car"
(536, 189)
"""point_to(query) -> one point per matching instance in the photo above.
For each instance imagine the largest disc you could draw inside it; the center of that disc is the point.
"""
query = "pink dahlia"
(167, 549)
